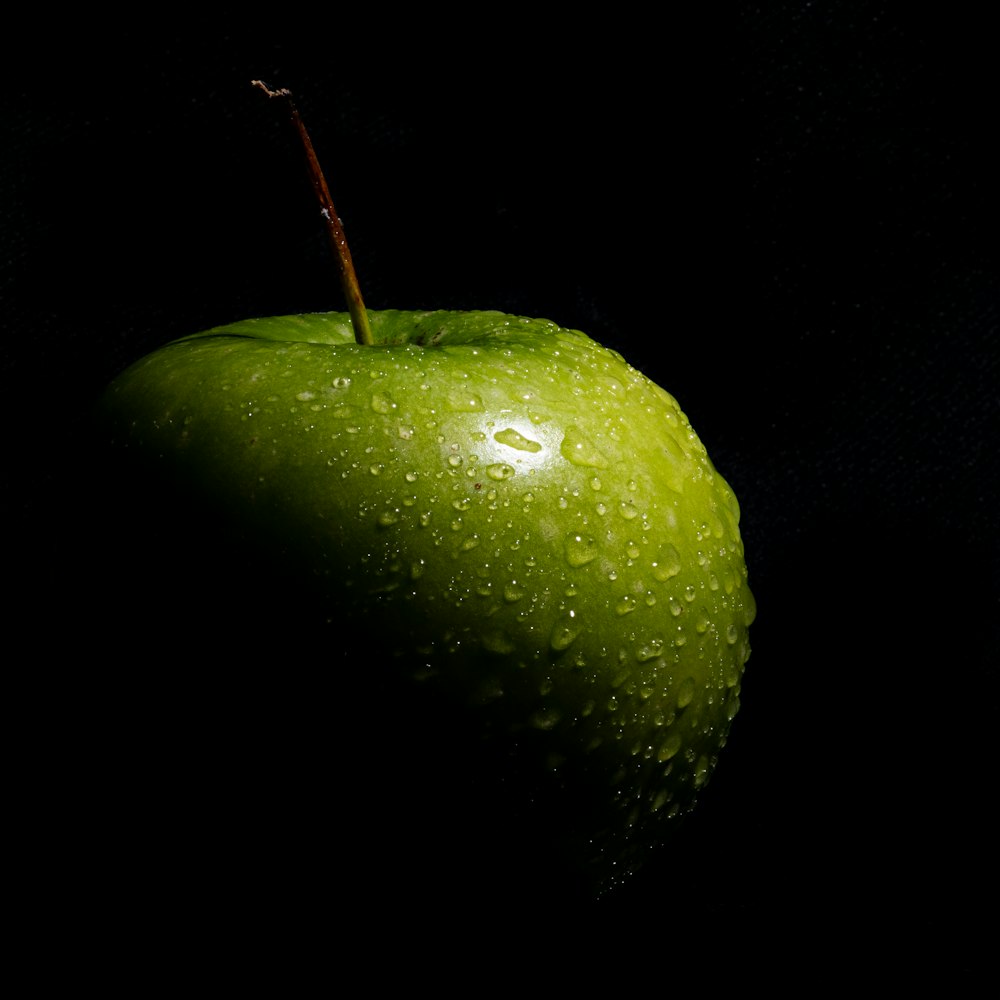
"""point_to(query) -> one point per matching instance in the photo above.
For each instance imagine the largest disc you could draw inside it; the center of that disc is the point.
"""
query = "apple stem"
(348, 276)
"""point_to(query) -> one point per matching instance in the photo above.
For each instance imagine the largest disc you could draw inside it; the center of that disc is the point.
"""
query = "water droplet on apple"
(669, 747)
(382, 403)
(497, 641)
(565, 631)
(546, 718)
(649, 650)
(387, 518)
(465, 402)
(512, 592)
(626, 605)
(685, 693)
(580, 549)
(628, 509)
(514, 439)
(732, 634)
(454, 461)
(702, 771)
(341, 382)
(499, 471)
(577, 448)
(667, 563)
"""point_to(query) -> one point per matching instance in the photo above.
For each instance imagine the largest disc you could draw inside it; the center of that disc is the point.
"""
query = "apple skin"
(521, 552)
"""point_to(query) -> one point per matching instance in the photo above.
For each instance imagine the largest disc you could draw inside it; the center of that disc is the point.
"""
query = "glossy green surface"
(502, 511)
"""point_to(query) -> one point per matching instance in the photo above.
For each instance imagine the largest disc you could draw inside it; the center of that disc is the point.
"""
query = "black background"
(786, 214)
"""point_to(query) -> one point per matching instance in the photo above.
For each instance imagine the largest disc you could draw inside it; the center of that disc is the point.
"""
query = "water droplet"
(387, 518)
(580, 549)
(628, 509)
(382, 403)
(470, 543)
(702, 771)
(499, 471)
(685, 693)
(465, 402)
(546, 718)
(341, 382)
(626, 605)
(577, 448)
(689, 593)
(497, 641)
(305, 396)
(565, 631)
(732, 634)
(512, 592)
(514, 439)
(667, 563)
(669, 747)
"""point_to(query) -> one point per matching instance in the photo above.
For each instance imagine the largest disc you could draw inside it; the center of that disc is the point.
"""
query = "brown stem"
(348, 277)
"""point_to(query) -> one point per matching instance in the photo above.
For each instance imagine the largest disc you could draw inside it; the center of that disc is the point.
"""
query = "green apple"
(521, 553)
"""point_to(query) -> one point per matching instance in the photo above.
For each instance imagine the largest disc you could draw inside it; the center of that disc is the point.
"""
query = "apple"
(523, 578)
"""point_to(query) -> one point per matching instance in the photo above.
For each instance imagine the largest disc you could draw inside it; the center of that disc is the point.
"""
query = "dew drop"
(387, 518)
(499, 471)
(382, 403)
(685, 693)
(577, 448)
(580, 549)
(626, 605)
(465, 403)
(628, 509)
(497, 641)
(702, 771)
(667, 563)
(732, 634)
(669, 747)
(514, 439)
(564, 632)
(546, 718)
